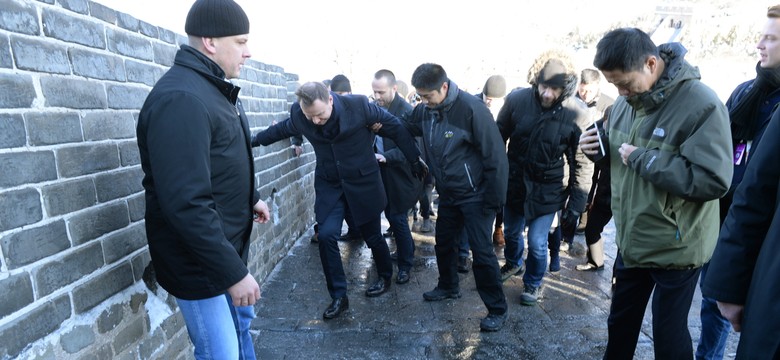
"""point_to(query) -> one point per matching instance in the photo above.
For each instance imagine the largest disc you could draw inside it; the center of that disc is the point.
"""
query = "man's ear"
(208, 44)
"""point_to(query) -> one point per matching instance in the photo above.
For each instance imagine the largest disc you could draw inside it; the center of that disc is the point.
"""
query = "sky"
(470, 39)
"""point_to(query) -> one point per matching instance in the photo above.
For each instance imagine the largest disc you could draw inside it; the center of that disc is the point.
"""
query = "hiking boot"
(529, 296)
(493, 322)
(555, 263)
(427, 226)
(508, 271)
(498, 236)
(438, 294)
(464, 264)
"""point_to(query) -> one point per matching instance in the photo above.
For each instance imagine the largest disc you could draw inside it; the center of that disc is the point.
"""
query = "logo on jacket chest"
(449, 134)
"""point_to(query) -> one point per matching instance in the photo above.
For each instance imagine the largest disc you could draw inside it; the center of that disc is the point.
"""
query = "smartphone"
(601, 143)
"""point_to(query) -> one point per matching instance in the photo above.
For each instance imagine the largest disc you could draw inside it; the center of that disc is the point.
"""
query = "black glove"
(569, 218)
(419, 169)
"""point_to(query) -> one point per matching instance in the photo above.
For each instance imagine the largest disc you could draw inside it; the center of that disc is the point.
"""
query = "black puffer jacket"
(541, 143)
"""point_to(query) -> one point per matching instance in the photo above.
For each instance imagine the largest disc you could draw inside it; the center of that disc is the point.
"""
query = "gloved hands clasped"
(419, 169)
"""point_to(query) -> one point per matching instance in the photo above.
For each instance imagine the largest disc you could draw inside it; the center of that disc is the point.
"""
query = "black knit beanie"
(216, 18)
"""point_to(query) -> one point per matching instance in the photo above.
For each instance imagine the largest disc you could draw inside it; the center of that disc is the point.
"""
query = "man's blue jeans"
(714, 327)
(218, 329)
(538, 228)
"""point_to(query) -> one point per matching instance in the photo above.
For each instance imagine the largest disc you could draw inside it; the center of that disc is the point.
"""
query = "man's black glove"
(569, 218)
(419, 169)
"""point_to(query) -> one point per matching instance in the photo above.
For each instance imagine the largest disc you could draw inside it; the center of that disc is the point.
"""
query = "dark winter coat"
(401, 186)
(193, 139)
(346, 164)
(465, 152)
(541, 143)
(745, 265)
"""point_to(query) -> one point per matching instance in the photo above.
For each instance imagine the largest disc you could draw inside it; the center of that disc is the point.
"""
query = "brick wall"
(73, 76)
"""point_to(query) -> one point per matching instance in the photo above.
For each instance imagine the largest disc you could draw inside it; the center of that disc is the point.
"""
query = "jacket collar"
(193, 59)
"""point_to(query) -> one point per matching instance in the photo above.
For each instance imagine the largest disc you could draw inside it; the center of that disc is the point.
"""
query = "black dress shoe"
(379, 288)
(336, 308)
(403, 277)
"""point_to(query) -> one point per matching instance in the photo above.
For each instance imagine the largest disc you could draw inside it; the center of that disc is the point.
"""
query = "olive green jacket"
(664, 199)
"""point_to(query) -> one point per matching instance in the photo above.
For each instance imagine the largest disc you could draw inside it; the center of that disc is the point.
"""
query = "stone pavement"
(569, 322)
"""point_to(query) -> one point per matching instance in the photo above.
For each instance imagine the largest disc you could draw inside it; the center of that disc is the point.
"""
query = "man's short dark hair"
(590, 76)
(340, 83)
(310, 92)
(384, 73)
(429, 76)
(624, 49)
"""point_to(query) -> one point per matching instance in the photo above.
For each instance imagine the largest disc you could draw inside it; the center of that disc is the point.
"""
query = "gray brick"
(73, 29)
(19, 16)
(152, 344)
(127, 21)
(131, 334)
(33, 244)
(59, 273)
(101, 287)
(101, 353)
(173, 324)
(73, 93)
(97, 65)
(6, 61)
(77, 338)
(17, 293)
(132, 45)
(123, 242)
(119, 184)
(102, 12)
(167, 36)
(126, 97)
(104, 125)
(50, 128)
(143, 73)
(128, 152)
(69, 196)
(41, 56)
(27, 167)
(148, 29)
(164, 53)
(137, 207)
(79, 6)
(22, 92)
(87, 159)
(19, 208)
(110, 318)
(139, 263)
(12, 131)
(96, 222)
(32, 326)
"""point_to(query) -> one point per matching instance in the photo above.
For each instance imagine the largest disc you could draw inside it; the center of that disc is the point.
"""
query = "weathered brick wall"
(73, 76)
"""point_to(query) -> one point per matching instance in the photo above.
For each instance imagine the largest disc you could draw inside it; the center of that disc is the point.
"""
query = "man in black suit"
(347, 178)
(401, 186)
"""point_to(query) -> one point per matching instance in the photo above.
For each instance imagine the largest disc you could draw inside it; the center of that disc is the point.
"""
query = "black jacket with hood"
(547, 170)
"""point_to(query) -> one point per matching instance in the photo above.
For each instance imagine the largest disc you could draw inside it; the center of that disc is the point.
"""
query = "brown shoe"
(498, 236)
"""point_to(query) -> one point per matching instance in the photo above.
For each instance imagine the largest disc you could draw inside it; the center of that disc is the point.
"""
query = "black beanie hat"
(495, 87)
(216, 18)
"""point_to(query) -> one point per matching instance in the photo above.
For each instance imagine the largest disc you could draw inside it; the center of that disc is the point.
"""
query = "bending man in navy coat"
(347, 177)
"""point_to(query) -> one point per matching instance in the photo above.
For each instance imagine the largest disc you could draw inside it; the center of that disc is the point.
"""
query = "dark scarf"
(743, 116)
